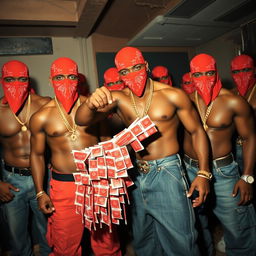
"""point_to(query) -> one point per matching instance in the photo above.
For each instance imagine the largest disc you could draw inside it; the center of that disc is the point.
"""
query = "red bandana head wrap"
(111, 75)
(15, 92)
(65, 89)
(244, 80)
(208, 87)
(161, 74)
(82, 85)
(187, 84)
(128, 57)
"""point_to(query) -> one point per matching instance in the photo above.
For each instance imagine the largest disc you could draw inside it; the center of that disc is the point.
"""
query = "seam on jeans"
(231, 166)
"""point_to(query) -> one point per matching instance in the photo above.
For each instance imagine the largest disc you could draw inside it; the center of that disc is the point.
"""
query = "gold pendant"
(24, 128)
(73, 136)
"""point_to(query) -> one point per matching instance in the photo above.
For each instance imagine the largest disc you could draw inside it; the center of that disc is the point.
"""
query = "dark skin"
(15, 143)
(229, 113)
(47, 126)
(169, 106)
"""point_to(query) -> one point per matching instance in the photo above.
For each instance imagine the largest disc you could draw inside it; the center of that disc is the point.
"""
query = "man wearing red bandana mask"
(54, 124)
(112, 80)
(161, 74)
(187, 84)
(83, 88)
(161, 224)
(17, 188)
(221, 113)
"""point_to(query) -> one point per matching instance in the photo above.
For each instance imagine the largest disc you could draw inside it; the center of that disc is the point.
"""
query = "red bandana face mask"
(208, 87)
(244, 80)
(160, 73)
(65, 89)
(15, 92)
(129, 57)
(111, 76)
(187, 84)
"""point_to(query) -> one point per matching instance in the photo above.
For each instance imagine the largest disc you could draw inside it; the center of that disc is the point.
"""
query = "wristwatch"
(247, 178)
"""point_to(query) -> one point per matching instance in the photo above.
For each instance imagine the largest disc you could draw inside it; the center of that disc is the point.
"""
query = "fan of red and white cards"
(102, 177)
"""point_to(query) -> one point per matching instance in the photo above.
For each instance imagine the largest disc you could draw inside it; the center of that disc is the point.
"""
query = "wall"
(77, 49)
(223, 49)
(105, 44)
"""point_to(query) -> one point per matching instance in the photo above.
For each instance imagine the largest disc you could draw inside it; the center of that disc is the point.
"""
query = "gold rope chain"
(145, 111)
(71, 130)
(23, 124)
(207, 113)
(251, 93)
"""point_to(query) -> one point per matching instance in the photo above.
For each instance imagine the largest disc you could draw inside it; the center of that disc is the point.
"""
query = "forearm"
(201, 148)
(38, 171)
(249, 150)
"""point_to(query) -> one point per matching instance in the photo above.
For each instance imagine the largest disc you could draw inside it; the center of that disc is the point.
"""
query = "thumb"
(191, 190)
(13, 188)
(235, 191)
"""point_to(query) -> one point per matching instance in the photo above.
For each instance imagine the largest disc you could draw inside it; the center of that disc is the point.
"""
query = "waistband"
(62, 177)
(217, 163)
(144, 165)
(21, 171)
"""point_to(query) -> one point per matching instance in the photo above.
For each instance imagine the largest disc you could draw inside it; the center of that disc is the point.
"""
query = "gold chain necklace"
(207, 113)
(71, 130)
(251, 93)
(145, 111)
(23, 124)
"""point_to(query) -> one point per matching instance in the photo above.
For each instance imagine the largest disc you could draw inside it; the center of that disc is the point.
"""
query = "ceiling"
(141, 22)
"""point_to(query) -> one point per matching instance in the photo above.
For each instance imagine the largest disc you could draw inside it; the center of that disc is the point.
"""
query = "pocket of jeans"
(229, 171)
(246, 216)
(176, 171)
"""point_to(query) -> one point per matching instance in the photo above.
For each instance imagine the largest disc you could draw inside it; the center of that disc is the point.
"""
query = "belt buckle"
(144, 167)
(239, 141)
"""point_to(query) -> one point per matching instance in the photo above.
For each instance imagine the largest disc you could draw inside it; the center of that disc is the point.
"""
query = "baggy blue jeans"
(238, 222)
(17, 215)
(163, 220)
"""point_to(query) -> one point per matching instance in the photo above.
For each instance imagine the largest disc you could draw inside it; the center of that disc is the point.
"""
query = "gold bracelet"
(205, 173)
(39, 194)
(203, 176)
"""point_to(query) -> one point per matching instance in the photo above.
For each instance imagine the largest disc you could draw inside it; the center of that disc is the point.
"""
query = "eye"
(187, 83)
(138, 67)
(197, 74)
(72, 77)
(123, 72)
(246, 69)
(58, 77)
(9, 79)
(235, 71)
(110, 84)
(210, 73)
(23, 79)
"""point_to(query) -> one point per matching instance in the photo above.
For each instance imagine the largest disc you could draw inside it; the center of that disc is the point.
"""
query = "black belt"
(62, 177)
(219, 162)
(20, 171)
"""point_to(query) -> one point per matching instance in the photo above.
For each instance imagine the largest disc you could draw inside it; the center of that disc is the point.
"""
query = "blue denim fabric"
(239, 157)
(17, 214)
(163, 218)
(239, 222)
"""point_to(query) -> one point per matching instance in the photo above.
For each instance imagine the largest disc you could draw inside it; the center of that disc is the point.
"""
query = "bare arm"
(190, 119)
(244, 121)
(96, 107)
(37, 160)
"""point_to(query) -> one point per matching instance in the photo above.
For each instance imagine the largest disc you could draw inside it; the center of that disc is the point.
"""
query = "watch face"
(250, 179)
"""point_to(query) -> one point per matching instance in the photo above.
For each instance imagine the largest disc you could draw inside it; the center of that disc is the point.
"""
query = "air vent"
(189, 8)
(238, 12)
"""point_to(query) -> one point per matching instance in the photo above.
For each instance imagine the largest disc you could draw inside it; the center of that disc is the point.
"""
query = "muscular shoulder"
(40, 100)
(174, 95)
(234, 102)
(40, 117)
